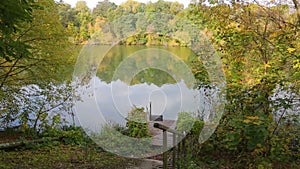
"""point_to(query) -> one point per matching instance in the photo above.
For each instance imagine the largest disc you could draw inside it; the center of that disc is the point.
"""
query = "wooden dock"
(157, 134)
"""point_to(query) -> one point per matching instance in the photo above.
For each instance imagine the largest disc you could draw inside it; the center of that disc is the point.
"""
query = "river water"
(129, 76)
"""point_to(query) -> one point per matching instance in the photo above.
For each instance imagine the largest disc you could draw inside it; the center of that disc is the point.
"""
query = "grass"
(63, 156)
(74, 151)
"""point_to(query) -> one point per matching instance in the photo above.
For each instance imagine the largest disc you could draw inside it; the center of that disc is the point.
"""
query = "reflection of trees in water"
(117, 54)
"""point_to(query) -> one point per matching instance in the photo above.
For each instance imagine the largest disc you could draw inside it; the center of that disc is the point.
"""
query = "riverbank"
(59, 155)
(71, 149)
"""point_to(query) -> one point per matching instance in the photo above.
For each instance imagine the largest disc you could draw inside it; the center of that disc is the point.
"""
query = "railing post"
(174, 150)
(183, 148)
(179, 150)
(165, 157)
(177, 137)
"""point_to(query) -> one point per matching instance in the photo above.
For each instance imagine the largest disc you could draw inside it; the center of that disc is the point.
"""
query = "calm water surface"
(107, 99)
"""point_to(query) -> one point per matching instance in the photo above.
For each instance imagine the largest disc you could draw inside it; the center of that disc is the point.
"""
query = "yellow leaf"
(267, 65)
(246, 121)
(25, 126)
(252, 117)
(291, 50)
(256, 123)
(297, 64)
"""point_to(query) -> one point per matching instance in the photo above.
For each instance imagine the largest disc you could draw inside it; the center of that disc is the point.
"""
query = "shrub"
(137, 123)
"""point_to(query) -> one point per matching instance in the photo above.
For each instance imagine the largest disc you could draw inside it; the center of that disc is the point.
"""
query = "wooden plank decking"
(157, 134)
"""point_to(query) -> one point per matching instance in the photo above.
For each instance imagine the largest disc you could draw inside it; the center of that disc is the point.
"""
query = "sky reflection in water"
(110, 102)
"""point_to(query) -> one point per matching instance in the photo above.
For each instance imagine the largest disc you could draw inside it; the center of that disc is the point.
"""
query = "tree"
(83, 17)
(176, 7)
(12, 14)
(43, 59)
(132, 6)
(259, 49)
(67, 14)
(103, 8)
(44, 66)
